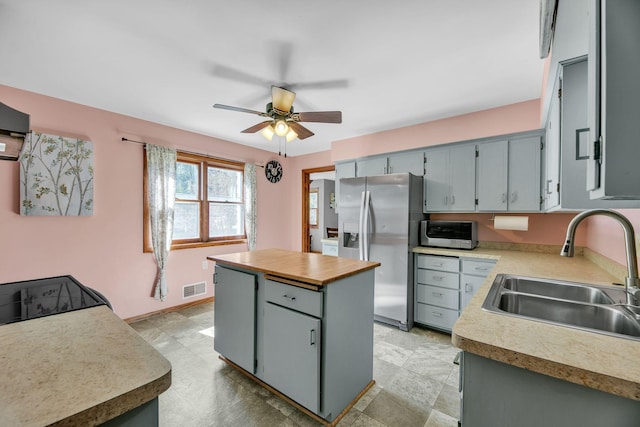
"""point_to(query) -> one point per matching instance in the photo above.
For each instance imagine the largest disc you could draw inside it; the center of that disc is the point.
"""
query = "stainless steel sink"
(557, 289)
(595, 308)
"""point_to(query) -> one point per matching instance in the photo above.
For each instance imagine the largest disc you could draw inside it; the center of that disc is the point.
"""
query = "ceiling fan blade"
(302, 131)
(240, 76)
(325, 84)
(239, 109)
(259, 126)
(319, 117)
(282, 98)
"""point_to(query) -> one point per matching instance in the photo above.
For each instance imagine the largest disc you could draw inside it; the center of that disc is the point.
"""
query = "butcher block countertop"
(80, 368)
(301, 266)
(590, 359)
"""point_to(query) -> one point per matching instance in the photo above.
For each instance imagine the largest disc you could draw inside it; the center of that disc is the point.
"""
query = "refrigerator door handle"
(366, 225)
(361, 228)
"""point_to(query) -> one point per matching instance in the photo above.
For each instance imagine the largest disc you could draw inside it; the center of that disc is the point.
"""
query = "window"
(209, 207)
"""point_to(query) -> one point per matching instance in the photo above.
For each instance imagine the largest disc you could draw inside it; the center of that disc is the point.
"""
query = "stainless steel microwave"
(449, 234)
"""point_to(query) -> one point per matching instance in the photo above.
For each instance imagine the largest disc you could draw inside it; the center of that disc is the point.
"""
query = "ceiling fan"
(283, 121)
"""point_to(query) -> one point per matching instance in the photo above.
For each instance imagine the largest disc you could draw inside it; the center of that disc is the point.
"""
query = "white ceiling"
(392, 64)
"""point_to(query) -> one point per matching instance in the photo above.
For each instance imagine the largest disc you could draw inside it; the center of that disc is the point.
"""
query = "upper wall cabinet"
(412, 162)
(613, 169)
(567, 145)
(407, 162)
(371, 167)
(449, 180)
(509, 175)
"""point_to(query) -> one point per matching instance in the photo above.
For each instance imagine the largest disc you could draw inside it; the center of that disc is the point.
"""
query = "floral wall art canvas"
(56, 176)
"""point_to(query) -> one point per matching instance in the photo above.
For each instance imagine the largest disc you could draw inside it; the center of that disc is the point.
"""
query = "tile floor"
(416, 381)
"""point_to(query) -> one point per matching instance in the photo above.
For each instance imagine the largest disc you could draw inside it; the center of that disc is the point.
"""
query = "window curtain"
(161, 169)
(250, 204)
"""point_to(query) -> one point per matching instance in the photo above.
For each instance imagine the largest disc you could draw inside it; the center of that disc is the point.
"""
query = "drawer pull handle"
(468, 288)
(438, 277)
(438, 264)
(481, 268)
(437, 294)
(312, 337)
(436, 314)
(289, 298)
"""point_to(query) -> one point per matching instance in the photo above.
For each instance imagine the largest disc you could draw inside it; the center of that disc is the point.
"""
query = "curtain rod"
(183, 151)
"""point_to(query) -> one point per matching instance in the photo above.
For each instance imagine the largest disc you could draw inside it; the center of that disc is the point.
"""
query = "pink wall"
(104, 251)
(544, 229)
(512, 118)
(605, 235)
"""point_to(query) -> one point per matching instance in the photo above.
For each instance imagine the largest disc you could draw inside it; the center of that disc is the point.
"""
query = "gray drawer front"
(438, 278)
(477, 267)
(299, 299)
(441, 297)
(438, 263)
(436, 316)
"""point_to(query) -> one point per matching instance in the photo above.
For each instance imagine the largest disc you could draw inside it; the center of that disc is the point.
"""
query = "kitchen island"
(301, 324)
(79, 368)
(587, 375)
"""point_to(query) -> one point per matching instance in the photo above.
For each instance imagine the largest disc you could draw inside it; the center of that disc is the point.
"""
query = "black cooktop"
(30, 299)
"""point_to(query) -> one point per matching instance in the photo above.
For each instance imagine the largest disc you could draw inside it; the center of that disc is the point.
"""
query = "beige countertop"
(305, 267)
(590, 359)
(77, 368)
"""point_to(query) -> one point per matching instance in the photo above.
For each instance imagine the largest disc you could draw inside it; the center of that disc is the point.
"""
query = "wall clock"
(273, 171)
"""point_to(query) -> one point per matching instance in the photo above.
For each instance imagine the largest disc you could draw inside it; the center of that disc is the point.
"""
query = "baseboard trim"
(170, 309)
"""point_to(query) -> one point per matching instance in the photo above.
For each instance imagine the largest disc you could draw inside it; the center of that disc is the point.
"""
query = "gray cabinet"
(449, 180)
(406, 162)
(474, 271)
(437, 291)
(571, 150)
(312, 343)
(498, 394)
(235, 320)
(444, 285)
(614, 99)
(292, 354)
(509, 175)
(371, 167)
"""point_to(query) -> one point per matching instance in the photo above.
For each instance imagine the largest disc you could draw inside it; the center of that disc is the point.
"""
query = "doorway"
(308, 175)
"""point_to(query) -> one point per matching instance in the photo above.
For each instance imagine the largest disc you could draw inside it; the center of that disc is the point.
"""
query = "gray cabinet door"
(492, 176)
(436, 180)
(371, 167)
(463, 178)
(524, 174)
(234, 317)
(551, 182)
(292, 343)
(410, 162)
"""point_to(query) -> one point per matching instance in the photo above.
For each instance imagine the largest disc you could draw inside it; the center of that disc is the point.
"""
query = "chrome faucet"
(632, 281)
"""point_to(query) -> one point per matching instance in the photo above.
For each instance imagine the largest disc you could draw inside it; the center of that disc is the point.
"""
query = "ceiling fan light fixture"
(268, 132)
(282, 99)
(281, 127)
(291, 135)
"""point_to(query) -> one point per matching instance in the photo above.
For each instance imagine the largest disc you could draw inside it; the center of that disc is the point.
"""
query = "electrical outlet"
(205, 265)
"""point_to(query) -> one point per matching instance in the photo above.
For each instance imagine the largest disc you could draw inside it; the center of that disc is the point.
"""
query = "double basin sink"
(594, 308)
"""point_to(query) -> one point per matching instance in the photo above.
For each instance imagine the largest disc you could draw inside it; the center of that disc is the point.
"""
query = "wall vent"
(194, 289)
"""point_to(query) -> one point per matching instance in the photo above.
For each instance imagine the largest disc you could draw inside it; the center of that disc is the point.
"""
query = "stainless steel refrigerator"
(378, 220)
